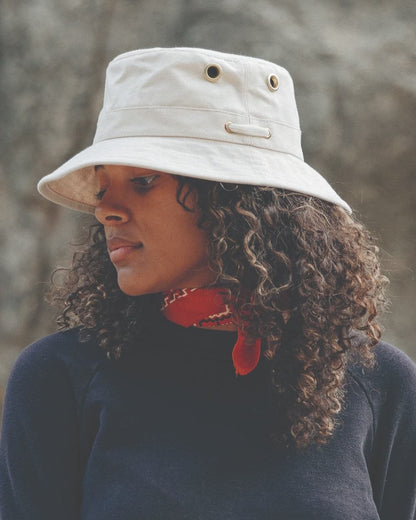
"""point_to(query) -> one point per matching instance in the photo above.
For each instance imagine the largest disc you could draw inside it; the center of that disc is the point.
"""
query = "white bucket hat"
(196, 113)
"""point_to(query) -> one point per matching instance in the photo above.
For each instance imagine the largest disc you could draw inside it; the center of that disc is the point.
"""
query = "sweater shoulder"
(392, 367)
(61, 347)
(393, 361)
(391, 381)
(57, 357)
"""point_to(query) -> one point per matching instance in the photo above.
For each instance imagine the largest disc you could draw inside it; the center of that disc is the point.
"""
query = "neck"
(206, 308)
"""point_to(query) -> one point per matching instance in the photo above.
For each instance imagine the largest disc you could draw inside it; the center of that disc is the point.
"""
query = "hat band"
(192, 123)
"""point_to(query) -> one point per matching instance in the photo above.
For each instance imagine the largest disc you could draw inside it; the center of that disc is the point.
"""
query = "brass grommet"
(273, 82)
(213, 72)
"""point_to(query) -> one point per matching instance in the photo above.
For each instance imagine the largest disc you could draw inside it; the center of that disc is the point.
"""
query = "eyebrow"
(98, 166)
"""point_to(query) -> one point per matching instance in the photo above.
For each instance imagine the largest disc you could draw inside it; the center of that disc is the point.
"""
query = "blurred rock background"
(354, 67)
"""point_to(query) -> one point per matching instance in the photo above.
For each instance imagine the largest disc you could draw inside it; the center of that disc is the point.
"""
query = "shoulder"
(59, 349)
(390, 385)
(393, 368)
(393, 362)
(59, 360)
(61, 345)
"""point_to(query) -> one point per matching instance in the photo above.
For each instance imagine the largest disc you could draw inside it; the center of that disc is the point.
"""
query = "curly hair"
(315, 286)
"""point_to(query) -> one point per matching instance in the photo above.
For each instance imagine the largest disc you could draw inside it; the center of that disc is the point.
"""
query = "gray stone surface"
(353, 63)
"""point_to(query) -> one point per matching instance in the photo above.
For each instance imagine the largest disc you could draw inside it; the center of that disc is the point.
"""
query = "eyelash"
(137, 183)
(137, 180)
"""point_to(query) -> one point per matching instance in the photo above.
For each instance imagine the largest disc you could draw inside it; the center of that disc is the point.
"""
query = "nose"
(110, 212)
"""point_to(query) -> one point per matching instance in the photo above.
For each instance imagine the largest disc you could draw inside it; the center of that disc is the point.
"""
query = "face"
(153, 242)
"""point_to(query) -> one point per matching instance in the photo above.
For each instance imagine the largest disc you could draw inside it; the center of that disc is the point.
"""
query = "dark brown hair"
(313, 275)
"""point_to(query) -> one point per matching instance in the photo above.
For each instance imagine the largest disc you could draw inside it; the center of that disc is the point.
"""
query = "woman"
(221, 354)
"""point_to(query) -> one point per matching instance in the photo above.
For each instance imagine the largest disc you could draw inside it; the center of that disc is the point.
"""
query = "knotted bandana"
(205, 307)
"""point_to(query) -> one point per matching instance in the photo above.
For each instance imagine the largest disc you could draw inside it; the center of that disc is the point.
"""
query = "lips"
(119, 249)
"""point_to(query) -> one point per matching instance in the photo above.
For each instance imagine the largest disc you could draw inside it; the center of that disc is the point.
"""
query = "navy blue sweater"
(170, 433)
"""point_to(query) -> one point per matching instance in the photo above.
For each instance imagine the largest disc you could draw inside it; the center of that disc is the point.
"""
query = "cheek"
(195, 239)
(181, 226)
(183, 250)
(186, 242)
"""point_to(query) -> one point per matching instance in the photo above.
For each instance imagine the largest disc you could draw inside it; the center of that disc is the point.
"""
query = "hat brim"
(74, 184)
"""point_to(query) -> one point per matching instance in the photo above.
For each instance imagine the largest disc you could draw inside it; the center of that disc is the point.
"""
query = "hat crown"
(175, 77)
(168, 92)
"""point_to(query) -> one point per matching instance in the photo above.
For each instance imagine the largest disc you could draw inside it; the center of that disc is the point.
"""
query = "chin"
(132, 285)
(135, 291)
(132, 288)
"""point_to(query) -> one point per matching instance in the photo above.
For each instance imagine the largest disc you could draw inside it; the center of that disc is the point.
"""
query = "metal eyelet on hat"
(213, 72)
(273, 82)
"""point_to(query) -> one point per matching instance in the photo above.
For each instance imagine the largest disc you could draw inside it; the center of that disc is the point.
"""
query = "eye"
(100, 194)
(143, 183)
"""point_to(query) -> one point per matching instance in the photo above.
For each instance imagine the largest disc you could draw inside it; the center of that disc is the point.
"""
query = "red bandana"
(205, 307)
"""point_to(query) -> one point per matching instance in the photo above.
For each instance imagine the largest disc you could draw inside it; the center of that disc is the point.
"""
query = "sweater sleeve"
(39, 450)
(393, 461)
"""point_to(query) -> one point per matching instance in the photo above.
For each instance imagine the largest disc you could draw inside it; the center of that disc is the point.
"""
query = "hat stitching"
(175, 107)
(211, 110)
(249, 143)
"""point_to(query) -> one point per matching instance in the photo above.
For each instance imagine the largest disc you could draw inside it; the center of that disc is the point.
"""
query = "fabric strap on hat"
(205, 307)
